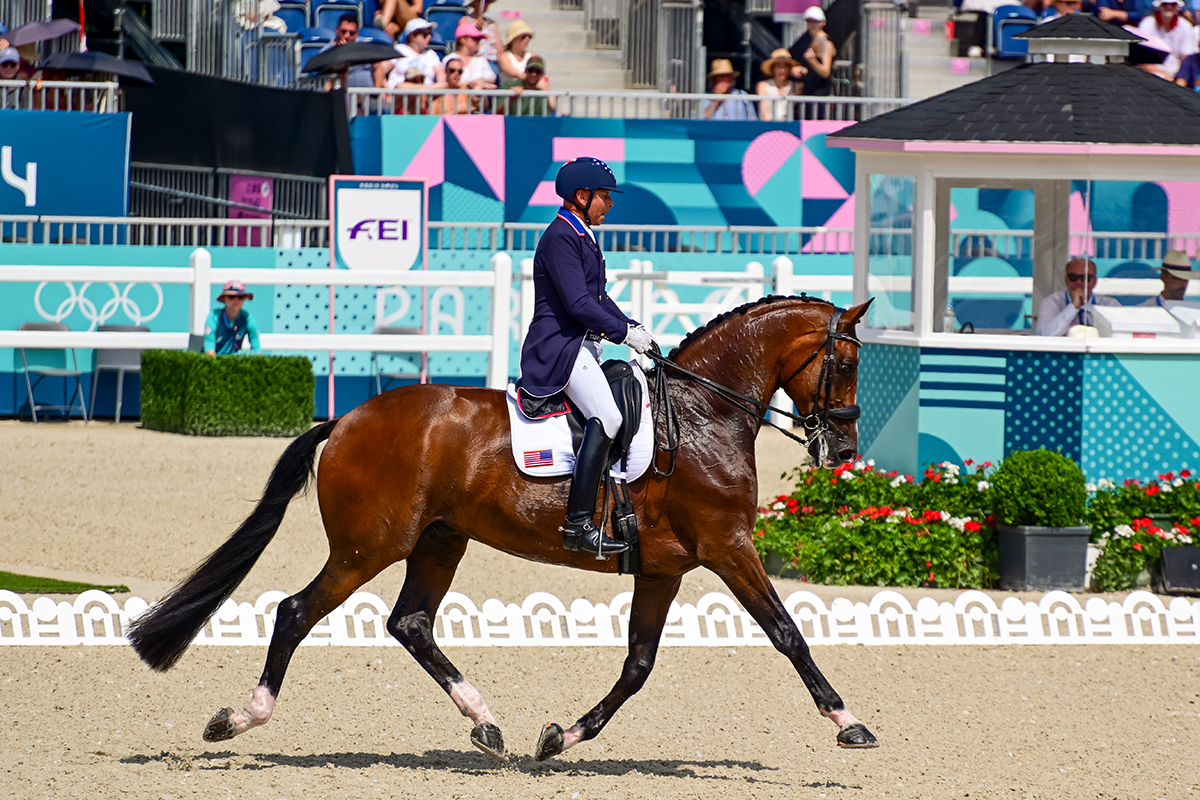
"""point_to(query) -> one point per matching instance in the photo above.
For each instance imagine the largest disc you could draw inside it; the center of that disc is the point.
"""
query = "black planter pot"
(1178, 571)
(1039, 559)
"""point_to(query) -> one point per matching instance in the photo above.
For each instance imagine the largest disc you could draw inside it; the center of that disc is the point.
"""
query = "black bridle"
(815, 423)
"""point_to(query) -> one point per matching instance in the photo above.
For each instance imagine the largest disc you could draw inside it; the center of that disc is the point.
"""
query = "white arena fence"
(37, 95)
(974, 618)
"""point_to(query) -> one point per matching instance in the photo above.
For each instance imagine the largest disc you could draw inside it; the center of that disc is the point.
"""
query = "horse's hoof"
(856, 736)
(550, 743)
(220, 727)
(487, 737)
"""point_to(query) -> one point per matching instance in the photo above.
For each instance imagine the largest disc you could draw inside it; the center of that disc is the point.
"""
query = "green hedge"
(202, 395)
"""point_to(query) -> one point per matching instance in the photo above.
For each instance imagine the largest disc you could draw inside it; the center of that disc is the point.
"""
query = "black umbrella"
(340, 56)
(40, 31)
(100, 62)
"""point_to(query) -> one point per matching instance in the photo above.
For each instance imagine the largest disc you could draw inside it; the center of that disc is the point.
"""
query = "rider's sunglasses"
(454, 72)
(1077, 278)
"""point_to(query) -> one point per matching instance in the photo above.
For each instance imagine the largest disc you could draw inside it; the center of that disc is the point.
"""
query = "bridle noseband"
(815, 423)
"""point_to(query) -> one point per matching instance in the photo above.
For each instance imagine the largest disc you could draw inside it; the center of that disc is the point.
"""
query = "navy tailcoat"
(569, 301)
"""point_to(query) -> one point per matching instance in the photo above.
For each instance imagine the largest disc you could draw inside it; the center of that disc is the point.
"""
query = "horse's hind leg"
(743, 573)
(429, 571)
(648, 613)
(294, 618)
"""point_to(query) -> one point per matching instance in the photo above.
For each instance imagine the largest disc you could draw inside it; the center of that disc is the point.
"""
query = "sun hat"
(9, 55)
(814, 13)
(516, 28)
(781, 54)
(1158, 3)
(414, 72)
(235, 288)
(416, 24)
(1178, 264)
(722, 66)
(468, 28)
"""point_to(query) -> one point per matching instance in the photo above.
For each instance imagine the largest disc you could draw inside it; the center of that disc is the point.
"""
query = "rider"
(572, 316)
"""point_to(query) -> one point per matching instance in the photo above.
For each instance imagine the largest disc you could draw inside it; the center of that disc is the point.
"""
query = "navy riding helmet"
(587, 173)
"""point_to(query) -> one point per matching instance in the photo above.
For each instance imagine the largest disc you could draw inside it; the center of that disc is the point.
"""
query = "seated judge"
(1176, 271)
(1062, 311)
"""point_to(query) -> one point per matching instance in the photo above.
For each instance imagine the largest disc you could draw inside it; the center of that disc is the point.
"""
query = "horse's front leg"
(743, 573)
(647, 614)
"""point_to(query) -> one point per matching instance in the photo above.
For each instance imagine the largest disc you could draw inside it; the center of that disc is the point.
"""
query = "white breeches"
(588, 389)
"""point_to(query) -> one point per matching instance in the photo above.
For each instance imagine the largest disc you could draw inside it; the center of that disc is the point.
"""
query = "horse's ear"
(852, 315)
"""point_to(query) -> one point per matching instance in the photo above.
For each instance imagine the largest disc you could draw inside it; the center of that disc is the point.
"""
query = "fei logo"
(27, 185)
(378, 228)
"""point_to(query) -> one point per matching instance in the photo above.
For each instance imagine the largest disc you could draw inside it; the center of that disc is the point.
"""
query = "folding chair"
(50, 362)
(1007, 22)
(294, 13)
(326, 13)
(416, 358)
(313, 41)
(447, 15)
(118, 361)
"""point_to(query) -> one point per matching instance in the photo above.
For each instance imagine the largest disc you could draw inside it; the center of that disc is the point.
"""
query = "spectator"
(778, 68)
(10, 64)
(722, 75)
(414, 51)
(816, 60)
(1178, 33)
(1060, 8)
(489, 45)
(1119, 12)
(395, 15)
(516, 51)
(250, 13)
(535, 80)
(477, 73)
(358, 75)
(454, 103)
(226, 328)
(414, 77)
(1058, 313)
(1176, 271)
(983, 10)
(1188, 75)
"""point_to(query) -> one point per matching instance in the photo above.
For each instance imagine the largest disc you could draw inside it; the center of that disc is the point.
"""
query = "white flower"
(946, 516)
(777, 506)
(1177, 482)
(983, 486)
(1106, 483)
(1091, 487)
(1165, 487)
(1185, 539)
(896, 481)
(859, 466)
(1123, 531)
(870, 462)
(958, 523)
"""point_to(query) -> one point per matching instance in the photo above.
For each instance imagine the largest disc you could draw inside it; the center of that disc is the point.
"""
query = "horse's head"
(820, 374)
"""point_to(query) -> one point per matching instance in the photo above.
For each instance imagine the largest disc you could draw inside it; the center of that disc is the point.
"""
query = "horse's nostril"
(846, 455)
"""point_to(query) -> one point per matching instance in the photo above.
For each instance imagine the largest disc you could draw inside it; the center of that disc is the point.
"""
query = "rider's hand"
(638, 338)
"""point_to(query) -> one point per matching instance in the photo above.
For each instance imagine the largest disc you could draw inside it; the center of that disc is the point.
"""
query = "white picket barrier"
(542, 620)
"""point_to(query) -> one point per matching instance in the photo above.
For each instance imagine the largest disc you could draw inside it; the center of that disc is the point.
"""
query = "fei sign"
(377, 222)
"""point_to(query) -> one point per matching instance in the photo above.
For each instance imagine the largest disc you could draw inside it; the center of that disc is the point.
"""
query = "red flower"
(843, 509)
(833, 480)
(968, 462)
(971, 526)
(991, 519)
(937, 478)
(1137, 546)
(1187, 473)
(909, 479)
(932, 516)
(806, 510)
(929, 563)
(761, 534)
(987, 464)
(931, 576)
(1152, 490)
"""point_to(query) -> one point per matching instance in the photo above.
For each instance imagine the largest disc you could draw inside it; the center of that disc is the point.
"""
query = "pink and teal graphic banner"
(671, 172)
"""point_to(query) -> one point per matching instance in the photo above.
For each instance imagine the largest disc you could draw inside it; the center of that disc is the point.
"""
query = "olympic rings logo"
(120, 301)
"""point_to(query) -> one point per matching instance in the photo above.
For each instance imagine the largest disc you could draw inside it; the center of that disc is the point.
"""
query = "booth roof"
(1047, 102)
(1079, 26)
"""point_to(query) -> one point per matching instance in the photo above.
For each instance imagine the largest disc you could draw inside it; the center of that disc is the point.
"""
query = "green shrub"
(1038, 487)
(226, 395)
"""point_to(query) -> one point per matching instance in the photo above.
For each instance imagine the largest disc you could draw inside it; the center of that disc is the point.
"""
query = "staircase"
(561, 38)
(932, 68)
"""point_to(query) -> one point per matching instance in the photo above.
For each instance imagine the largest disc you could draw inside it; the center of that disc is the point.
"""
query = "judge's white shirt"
(1057, 315)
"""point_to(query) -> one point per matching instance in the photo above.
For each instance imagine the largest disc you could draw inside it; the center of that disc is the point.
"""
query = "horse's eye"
(848, 368)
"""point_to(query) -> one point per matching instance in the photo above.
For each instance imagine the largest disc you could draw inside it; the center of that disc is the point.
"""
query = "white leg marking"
(470, 702)
(256, 712)
(841, 716)
(571, 737)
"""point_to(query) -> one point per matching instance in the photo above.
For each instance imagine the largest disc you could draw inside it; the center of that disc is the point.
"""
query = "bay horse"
(417, 473)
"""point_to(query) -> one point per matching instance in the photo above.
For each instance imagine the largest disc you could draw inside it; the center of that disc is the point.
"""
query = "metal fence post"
(502, 271)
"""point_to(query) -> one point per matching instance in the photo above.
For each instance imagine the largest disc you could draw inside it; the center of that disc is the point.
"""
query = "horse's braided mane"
(742, 309)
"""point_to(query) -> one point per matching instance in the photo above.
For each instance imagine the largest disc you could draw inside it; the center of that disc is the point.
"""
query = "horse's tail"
(163, 633)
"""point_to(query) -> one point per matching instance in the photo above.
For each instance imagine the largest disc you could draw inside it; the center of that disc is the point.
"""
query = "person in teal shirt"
(227, 327)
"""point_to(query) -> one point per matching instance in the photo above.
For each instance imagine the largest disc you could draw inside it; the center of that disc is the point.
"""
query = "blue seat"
(294, 13)
(326, 13)
(447, 16)
(375, 35)
(313, 41)
(1007, 22)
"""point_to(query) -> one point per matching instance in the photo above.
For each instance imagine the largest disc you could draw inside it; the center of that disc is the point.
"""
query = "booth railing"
(606, 105)
(92, 97)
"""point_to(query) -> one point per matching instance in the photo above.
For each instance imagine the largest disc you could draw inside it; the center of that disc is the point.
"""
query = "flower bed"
(856, 525)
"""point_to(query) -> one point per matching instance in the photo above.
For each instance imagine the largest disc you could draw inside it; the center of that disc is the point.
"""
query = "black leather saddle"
(627, 392)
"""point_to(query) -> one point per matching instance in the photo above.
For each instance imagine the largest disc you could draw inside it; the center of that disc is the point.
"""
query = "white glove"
(638, 338)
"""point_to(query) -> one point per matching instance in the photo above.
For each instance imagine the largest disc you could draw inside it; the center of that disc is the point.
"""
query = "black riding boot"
(580, 533)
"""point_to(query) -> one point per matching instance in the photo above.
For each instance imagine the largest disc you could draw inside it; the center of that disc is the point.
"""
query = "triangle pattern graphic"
(462, 170)
(817, 181)
(429, 162)
(482, 137)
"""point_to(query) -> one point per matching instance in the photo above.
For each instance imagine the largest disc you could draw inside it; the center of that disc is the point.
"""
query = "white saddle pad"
(542, 447)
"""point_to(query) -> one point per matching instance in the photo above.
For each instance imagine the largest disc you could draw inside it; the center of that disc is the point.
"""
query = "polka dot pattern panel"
(1128, 433)
(886, 373)
(1043, 395)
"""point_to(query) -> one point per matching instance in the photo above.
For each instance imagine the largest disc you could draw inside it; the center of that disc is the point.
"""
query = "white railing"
(622, 105)
(94, 97)
(201, 277)
(1137, 246)
(165, 231)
